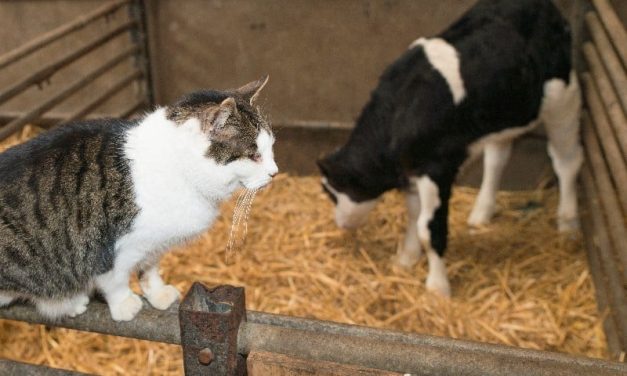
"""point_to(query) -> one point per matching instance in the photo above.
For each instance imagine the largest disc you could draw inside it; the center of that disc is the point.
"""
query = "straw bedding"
(515, 282)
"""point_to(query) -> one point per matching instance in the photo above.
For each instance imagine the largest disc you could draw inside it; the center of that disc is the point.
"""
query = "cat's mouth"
(257, 183)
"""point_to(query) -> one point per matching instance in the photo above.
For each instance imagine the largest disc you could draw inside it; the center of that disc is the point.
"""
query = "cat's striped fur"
(84, 206)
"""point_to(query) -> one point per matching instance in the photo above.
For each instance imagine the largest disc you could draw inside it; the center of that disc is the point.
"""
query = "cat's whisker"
(236, 218)
(241, 213)
(247, 213)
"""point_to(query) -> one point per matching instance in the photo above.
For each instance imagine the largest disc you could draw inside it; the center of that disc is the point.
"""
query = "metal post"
(210, 321)
(139, 37)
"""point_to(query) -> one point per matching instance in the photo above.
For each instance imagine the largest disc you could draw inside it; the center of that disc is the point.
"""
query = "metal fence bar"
(103, 97)
(150, 324)
(614, 26)
(44, 121)
(12, 368)
(48, 70)
(139, 35)
(130, 110)
(17, 124)
(427, 356)
(609, 57)
(52, 35)
(348, 344)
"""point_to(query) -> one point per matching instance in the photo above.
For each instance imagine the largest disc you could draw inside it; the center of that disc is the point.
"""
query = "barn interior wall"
(324, 57)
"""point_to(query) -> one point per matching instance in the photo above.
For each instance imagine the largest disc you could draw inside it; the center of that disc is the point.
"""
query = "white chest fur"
(177, 189)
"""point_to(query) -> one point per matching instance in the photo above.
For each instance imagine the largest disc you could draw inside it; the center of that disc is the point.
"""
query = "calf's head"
(348, 190)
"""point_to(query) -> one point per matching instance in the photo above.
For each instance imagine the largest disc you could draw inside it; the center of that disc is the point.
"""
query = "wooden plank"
(609, 279)
(609, 57)
(265, 363)
(614, 27)
(608, 197)
(607, 139)
(607, 95)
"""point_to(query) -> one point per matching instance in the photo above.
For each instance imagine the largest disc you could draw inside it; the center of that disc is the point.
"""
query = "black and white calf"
(493, 75)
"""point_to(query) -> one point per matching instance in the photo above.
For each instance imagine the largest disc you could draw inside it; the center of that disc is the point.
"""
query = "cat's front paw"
(164, 297)
(127, 309)
(79, 305)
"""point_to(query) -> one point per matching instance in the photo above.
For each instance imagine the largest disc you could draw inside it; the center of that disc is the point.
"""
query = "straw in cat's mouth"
(240, 216)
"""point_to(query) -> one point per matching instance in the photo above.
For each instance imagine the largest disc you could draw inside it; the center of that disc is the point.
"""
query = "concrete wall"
(324, 57)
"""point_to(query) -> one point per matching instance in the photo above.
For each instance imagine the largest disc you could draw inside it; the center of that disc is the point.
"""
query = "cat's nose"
(273, 170)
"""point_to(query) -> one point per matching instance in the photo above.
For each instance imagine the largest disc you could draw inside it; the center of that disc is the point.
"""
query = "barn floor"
(515, 282)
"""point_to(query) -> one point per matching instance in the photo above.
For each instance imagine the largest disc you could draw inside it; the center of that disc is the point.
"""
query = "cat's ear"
(217, 120)
(251, 90)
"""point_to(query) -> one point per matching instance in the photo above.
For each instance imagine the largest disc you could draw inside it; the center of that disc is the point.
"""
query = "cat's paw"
(79, 305)
(5, 300)
(127, 309)
(164, 297)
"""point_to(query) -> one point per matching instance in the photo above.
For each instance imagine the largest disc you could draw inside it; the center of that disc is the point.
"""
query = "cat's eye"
(256, 157)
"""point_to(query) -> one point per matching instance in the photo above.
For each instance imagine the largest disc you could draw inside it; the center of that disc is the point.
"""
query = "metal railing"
(217, 333)
(133, 28)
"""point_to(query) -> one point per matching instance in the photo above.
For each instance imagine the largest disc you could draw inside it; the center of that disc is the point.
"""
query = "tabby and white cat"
(84, 206)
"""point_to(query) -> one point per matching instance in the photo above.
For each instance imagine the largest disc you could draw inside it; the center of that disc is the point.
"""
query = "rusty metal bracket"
(210, 321)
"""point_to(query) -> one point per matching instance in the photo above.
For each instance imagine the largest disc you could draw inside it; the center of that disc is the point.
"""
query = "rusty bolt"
(205, 356)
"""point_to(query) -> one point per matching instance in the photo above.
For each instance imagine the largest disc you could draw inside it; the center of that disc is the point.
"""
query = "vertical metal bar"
(210, 321)
(139, 36)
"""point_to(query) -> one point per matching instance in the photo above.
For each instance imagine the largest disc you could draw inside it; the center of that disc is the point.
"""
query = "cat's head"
(240, 137)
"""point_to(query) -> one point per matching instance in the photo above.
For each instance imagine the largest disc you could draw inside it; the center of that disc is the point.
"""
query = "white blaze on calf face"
(348, 213)
(445, 60)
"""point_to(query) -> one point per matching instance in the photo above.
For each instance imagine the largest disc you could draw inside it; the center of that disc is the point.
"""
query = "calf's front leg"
(433, 230)
(409, 252)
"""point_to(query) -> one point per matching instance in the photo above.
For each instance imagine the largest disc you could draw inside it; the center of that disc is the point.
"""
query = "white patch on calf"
(560, 113)
(495, 157)
(348, 213)
(445, 60)
(437, 279)
(409, 252)
(506, 135)
(497, 149)
(429, 202)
